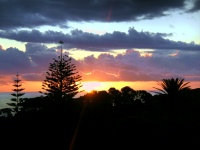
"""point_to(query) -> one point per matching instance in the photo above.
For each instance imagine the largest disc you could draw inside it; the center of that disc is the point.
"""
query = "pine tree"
(62, 81)
(17, 94)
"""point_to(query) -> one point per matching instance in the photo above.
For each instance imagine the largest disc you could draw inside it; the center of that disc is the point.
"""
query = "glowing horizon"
(107, 45)
(36, 86)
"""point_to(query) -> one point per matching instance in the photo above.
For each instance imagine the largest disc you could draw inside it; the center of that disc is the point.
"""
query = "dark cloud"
(35, 59)
(33, 36)
(196, 6)
(94, 42)
(13, 60)
(40, 56)
(31, 13)
(32, 48)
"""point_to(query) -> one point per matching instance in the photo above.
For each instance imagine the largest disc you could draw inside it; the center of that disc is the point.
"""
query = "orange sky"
(105, 47)
(31, 86)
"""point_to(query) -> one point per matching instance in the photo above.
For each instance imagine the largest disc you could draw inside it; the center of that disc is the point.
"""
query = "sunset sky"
(113, 43)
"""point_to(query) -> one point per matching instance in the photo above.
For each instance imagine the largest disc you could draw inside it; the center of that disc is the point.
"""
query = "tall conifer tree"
(17, 94)
(62, 81)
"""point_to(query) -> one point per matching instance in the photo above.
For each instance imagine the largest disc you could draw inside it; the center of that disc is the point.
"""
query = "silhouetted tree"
(17, 94)
(172, 91)
(100, 99)
(34, 104)
(5, 112)
(142, 96)
(128, 95)
(62, 79)
(116, 96)
(172, 86)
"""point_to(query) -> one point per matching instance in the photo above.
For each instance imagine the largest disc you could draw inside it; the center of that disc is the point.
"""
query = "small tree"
(17, 94)
(62, 79)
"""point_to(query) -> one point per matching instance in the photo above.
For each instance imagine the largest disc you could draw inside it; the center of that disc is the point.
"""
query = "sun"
(90, 86)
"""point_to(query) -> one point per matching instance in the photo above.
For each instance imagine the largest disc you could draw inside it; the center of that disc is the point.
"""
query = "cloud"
(196, 6)
(33, 76)
(33, 36)
(35, 59)
(127, 66)
(108, 41)
(33, 13)
(5, 80)
(99, 75)
(40, 55)
(32, 48)
(13, 60)
(130, 66)
(131, 75)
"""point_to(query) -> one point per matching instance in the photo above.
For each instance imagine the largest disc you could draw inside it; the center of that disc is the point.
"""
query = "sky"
(113, 43)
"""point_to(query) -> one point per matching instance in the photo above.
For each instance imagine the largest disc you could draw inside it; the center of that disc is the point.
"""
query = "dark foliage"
(125, 119)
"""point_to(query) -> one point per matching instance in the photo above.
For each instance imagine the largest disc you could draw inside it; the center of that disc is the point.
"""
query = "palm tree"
(172, 86)
(174, 89)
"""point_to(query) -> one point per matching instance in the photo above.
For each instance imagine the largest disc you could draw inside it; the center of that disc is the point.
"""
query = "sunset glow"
(29, 86)
(110, 46)
(148, 86)
(94, 85)
(99, 74)
(89, 86)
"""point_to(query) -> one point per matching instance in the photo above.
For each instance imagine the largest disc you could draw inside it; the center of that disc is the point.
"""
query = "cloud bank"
(130, 65)
(108, 41)
(17, 14)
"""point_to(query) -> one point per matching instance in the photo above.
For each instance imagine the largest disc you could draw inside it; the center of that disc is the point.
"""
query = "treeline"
(105, 120)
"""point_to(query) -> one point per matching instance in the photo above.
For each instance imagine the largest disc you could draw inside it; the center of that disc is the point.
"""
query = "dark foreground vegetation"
(124, 119)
